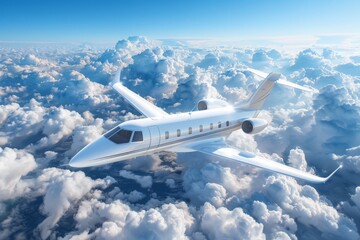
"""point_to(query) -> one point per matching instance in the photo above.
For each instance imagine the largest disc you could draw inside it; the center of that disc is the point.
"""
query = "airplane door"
(154, 136)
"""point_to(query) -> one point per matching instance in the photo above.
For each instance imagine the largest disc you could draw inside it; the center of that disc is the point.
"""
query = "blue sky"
(108, 21)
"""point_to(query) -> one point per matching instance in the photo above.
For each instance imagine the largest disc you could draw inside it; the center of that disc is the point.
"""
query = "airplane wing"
(222, 150)
(142, 105)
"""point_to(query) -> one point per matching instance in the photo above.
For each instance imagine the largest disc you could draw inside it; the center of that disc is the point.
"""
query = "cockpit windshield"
(118, 135)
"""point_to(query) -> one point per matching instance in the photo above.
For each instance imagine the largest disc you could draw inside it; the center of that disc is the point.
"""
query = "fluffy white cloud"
(14, 164)
(144, 181)
(118, 220)
(59, 125)
(83, 135)
(356, 197)
(274, 221)
(349, 68)
(62, 189)
(222, 223)
(297, 159)
(309, 59)
(31, 59)
(18, 123)
(304, 204)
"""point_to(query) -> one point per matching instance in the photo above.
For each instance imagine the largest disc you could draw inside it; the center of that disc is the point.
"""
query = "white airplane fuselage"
(165, 133)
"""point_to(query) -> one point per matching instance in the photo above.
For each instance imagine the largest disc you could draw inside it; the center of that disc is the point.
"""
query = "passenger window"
(178, 133)
(190, 130)
(122, 136)
(211, 126)
(138, 136)
(166, 135)
(227, 123)
(219, 125)
(201, 128)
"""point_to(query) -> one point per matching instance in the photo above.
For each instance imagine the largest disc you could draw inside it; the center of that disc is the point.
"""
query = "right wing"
(220, 149)
(142, 105)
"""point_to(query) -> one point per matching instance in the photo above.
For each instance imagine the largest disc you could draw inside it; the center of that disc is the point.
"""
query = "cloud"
(31, 59)
(262, 60)
(305, 205)
(356, 197)
(276, 223)
(58, 125)
(117, 220)
(14, 165)
(83, 135)
(308, 59)
(144, 181)
(63, 189)
(222, 223)
(352, 69)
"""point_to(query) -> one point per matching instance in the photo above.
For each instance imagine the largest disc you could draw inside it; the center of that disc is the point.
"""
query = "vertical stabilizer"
(257, 100)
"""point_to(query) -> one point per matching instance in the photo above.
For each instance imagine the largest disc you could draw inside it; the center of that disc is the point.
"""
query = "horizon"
(103, 23)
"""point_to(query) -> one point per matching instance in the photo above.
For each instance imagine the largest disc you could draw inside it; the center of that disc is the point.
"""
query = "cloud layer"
(53, 103)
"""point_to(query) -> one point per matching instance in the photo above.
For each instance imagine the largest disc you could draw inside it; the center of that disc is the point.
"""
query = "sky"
(107, 21)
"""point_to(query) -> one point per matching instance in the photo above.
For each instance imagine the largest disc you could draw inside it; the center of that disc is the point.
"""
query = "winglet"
(317, 179)
(328, 177)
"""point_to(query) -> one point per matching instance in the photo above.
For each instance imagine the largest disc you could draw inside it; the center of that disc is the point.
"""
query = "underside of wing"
(145, 107)
(221, 150)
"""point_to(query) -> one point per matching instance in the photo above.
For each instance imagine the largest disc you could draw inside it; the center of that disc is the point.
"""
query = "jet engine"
(211, 103)
(253, 125)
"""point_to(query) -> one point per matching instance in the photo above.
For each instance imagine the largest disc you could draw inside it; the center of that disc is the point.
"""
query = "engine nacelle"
(253, 125)
(211, 103)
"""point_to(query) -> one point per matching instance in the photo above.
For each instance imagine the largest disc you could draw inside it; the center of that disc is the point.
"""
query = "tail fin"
(257, 100)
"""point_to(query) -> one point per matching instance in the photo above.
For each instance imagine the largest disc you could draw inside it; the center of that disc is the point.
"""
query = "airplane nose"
(94, 150)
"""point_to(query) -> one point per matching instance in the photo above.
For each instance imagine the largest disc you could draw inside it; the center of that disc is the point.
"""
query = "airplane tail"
(258, 99)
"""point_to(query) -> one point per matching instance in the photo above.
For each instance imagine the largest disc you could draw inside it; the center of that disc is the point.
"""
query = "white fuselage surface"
(171, 133)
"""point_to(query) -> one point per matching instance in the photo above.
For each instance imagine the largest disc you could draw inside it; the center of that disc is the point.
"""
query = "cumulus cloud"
(144, 181)
(62, 188)
(356, 197)
(117, 220)
(305, 204)
(83, 135)
(222, 223)
(349, 68)
(277, 225)
(309, 59)
(14, 165)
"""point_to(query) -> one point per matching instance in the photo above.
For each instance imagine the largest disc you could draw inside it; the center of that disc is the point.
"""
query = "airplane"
(204, 130)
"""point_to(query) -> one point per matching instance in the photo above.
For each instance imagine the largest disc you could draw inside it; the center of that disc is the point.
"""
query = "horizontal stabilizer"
(282, 81)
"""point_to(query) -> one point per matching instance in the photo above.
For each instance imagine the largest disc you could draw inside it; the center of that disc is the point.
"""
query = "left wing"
(220, 149)
(142, 105)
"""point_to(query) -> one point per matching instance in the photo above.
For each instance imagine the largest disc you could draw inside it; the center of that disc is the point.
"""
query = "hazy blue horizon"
(98, 22)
